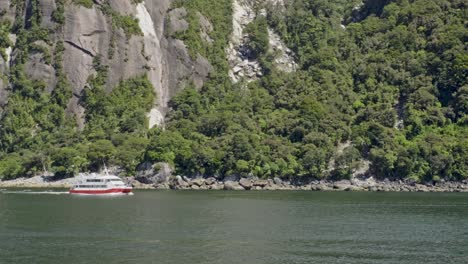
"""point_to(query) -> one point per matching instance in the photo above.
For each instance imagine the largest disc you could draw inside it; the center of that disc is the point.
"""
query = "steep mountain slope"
(53, 48)
(293, 88)
(378, 85)
(108, 30)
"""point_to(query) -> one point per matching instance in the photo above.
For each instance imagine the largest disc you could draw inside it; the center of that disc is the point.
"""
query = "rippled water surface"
(234, 227)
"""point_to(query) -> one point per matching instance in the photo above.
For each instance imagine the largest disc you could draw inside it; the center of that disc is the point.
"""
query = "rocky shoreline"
(38, 182)
(242, 184)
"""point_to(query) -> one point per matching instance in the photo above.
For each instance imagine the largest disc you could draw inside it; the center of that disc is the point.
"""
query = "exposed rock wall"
(153, 54)
(8, 14)
(88, 33)
(4, 67)
(47, 7)
(3, 93)
(284, 59)
(244, 12)
(7, 9)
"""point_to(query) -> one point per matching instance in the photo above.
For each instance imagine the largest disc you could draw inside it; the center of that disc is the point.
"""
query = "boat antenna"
(105, 168)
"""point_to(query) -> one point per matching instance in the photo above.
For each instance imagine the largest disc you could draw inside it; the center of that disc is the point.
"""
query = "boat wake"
(32, 192)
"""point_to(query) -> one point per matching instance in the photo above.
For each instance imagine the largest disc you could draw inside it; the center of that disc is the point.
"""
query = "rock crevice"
(85, 51)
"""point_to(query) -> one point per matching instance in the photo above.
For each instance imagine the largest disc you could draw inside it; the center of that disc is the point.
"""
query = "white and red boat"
(101, 185)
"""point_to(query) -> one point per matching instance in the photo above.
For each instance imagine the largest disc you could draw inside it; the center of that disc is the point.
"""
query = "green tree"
(100, 153)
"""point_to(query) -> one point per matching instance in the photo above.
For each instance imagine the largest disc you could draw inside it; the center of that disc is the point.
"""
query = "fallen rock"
(197, 182)
(178, 183)
(260, 183)
(233, 186)
(246, 183)
(320, 187)
(277, 181)
(210, 181)
(355, 188)
(162, 186)
(287, 187)
(138, 185)
(205, 187)
(271, 187)
(342, 185)
(421, 188)
(149, 173)
(217, 186)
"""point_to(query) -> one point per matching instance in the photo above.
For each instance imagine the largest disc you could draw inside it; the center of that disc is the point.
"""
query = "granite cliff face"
(90, 32)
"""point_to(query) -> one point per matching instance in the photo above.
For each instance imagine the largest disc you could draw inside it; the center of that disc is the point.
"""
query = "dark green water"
(235, 227)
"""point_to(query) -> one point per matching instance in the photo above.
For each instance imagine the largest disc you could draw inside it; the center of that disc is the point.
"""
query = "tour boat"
(101, 185)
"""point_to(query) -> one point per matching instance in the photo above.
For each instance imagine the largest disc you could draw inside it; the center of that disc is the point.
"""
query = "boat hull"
(112, 191)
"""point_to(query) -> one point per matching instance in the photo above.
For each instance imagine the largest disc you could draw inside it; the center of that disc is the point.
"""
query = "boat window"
(94, 180)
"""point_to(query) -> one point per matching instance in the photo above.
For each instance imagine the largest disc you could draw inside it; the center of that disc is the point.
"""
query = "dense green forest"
(388, 78)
